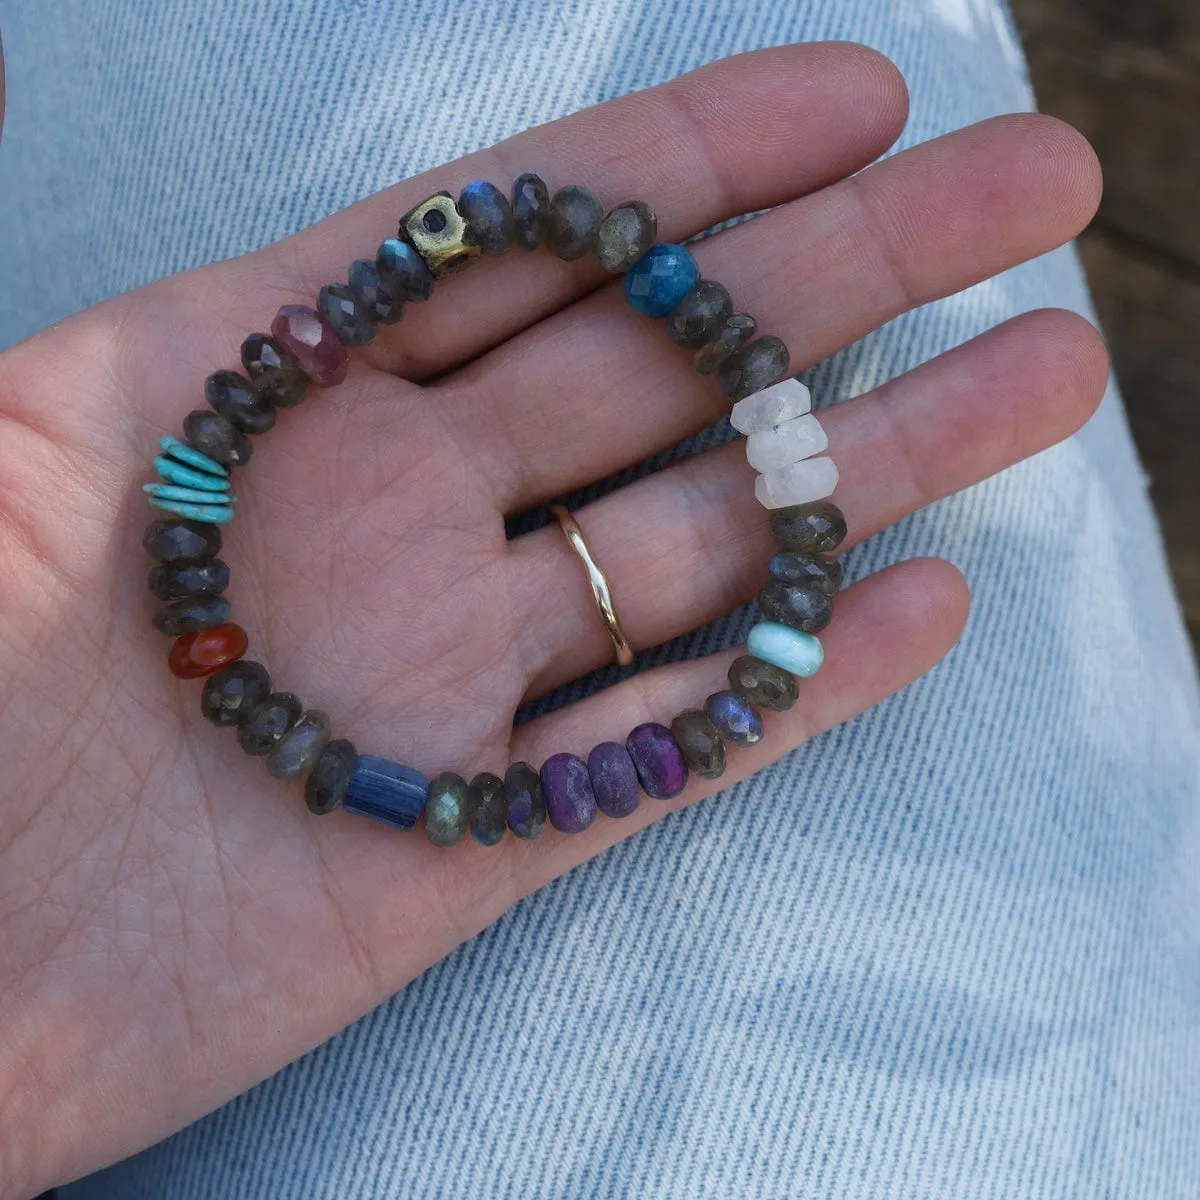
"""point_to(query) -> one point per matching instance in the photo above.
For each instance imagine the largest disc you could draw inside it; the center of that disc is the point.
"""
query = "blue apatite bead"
(660, 279)
(190, 455)
(211, 514)
(386, 791)
(787, 648)
(175, 472)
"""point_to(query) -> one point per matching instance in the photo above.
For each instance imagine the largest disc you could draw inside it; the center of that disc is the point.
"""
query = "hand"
(174, 924)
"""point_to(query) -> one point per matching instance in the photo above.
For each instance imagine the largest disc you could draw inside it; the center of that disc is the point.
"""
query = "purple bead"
(614, 779)
(658, 759)
(570, 801)
(313, 342)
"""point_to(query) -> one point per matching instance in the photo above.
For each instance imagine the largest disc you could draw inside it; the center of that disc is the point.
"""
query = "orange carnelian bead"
(197, 654)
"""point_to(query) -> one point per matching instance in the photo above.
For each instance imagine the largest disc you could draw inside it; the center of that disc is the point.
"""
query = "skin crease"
(174, 925)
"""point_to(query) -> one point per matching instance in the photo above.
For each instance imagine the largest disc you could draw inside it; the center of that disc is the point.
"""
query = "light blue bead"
(786, 648)
(176, 472)
(167, 491)
(190, 455)
(214, 514)
(660, 279)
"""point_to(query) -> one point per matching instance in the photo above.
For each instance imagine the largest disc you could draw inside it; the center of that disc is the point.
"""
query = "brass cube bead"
(439, 234)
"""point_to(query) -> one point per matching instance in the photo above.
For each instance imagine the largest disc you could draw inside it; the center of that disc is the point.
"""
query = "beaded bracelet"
(439, 238)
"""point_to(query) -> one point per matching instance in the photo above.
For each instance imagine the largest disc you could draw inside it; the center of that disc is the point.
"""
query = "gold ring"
(599, 584)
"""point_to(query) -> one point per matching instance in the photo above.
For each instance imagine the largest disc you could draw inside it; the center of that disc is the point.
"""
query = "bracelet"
(438, 238)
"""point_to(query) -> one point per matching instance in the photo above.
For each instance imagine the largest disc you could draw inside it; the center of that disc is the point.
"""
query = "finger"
(569, 401)
(690, 543)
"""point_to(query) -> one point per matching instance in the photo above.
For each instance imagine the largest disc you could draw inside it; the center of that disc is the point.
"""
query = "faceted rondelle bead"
(700, 741)
(328, 781)
(380, 305)
(570, 801)
(614, 779)
(735, 718)
(214, 436)
(195, 655)
(232, 689)
(274, 372)
(573, 223)
(788, 648)
(490, 216)
(191, 614)
(386, 791)
(803, 482)
(660, 279)
(235, 398)
(757, 365)
(659, 762)
(824, 574)
(700, 314)
(525, 799)
(346, 311)
(734, 334)
(312, 342)
(180, 541)
(446, 809)
(261, 725)
(806, 609)
(762, 684)
(625, 234)
(531, 209)
(817, 528)
(485, 805)
(403, 271)
(300, 747)
(789, 442)
(761, 411)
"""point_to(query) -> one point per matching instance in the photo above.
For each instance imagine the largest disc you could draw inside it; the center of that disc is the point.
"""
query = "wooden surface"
(1128, 75)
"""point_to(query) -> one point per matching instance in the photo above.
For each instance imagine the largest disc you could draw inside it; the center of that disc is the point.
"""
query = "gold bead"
(440, 235)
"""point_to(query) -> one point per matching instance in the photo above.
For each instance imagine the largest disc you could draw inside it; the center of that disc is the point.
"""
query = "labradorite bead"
(573, 223)
(570, 801)
(261, 725)
(659, 762)
(230, 691)
(191, 615)
(346, 312)
(698, 738)
(734, 334)
(531, 209)
(386, 791)
(211, 434)
(446, 810)
(788, 648)
(625, 235)
(816, 528)
(485, 804)
(802, 608)
(614, 779)
(757, 365)
(734, 718)
(487, 211)
(660, 279)
(700, 314)
(174, 581)
(403, 271)
(300, 747)
(526, 802)
(762, 684)
(381, 307)
(273, 371)
(824, 574)
(329, 780)
(179, 541)
(233, 396)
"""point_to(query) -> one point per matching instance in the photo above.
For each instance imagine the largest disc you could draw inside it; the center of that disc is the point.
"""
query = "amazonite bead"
(190, 455)
(788, 649)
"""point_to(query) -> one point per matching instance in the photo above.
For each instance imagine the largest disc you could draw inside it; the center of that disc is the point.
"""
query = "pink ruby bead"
(304, 333)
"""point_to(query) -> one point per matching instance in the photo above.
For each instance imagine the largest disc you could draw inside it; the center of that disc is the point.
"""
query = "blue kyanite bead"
(386, 791)
(660, 279)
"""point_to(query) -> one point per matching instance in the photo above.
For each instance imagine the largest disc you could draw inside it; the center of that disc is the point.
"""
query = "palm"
(181, 914)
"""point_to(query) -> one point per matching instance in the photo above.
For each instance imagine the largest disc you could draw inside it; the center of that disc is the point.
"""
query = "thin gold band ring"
(599, 584)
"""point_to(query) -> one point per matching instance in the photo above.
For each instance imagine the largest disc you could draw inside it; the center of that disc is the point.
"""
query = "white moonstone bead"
(799, 438)
(797, 483)
(772, 406)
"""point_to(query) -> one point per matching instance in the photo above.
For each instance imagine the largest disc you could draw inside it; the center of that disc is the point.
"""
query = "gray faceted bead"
(574, 222)
(531, 210)
(734, 334)
(625, 235)
(300, 747)
(700, 315)
(489, 216)
(757, 365)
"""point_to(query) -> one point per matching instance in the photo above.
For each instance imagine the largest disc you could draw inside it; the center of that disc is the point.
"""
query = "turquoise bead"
(213, 514)
(786, 648)
(190, 455)
(657, 282)
(175, 472)
(167, 491)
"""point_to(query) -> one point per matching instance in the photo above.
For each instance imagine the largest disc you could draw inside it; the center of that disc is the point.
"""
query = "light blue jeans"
(950, 949)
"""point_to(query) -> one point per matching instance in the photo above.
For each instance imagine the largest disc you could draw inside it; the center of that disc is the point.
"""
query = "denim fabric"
(949, 949)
